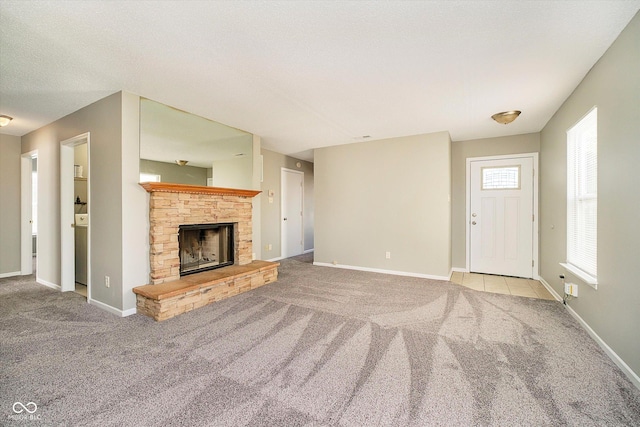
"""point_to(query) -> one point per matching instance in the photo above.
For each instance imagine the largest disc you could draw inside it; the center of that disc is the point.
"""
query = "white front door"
(292, 212)
(501, 216)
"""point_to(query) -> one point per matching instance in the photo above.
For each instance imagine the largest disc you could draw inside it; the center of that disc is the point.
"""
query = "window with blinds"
(582, 196)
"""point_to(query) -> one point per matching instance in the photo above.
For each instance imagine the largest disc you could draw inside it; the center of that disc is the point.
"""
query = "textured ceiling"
(305, 74)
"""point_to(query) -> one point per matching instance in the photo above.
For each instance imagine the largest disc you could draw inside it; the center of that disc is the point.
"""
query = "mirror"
(182, 148)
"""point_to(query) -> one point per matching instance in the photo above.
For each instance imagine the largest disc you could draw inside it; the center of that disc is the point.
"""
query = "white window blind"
(582, 194)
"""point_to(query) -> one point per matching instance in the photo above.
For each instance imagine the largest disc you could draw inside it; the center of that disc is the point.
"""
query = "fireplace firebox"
(205, 247)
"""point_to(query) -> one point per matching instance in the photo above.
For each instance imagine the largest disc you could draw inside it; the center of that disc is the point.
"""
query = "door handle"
(473, 223)
(285, 219)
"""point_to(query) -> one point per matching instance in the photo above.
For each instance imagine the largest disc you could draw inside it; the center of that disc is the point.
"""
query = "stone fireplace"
(175, 205)
(219, 216)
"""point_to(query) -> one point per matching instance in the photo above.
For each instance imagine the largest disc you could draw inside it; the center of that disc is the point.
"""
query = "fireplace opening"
(205, 247)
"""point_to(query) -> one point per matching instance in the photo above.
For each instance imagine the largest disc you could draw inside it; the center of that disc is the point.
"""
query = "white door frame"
(534, 156)
(282, 210)
(26, 201)
(67, 214)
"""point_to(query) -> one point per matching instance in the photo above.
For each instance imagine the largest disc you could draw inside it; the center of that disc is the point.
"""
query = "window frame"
(582, 199)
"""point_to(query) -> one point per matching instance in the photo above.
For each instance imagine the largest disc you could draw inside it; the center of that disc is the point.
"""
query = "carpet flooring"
(320, 347)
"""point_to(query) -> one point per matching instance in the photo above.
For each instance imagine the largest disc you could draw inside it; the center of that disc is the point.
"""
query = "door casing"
(534, 157)
(284, 250)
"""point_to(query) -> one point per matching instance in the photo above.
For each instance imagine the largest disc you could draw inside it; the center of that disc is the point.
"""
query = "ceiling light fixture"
(506, 117)
(182, 162)
(5, 120)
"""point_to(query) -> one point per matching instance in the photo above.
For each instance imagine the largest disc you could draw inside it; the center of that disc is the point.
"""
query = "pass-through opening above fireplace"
(205, 247)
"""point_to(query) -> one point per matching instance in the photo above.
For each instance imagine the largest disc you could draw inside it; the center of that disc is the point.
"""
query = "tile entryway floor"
(502, 285)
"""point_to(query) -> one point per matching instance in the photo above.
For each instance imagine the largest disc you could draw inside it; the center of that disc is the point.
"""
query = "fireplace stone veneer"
(172, 205)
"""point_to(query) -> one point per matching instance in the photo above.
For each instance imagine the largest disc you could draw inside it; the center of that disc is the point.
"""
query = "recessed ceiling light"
(506, 117)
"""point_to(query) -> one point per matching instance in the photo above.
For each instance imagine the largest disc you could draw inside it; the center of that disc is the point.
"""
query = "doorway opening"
(29, 207)
(75, 194)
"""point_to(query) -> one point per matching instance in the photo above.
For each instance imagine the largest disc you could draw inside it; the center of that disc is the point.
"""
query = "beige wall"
(272, 165)
(612, 311)
(384, 196)
(10, 204)
(103, 120)
(460, 151)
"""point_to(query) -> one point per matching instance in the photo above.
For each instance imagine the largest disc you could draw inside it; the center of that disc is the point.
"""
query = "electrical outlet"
(571, 289)
(107, 281)
(270, 246)
(388, 255)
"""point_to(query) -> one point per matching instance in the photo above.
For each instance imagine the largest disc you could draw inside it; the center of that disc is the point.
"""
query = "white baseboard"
(550, 289)
(378, 270)
(48, 284)
(11, 274)
(308, 250)
(275, 259)
(633, 377)
(112, 310)
(460, 269)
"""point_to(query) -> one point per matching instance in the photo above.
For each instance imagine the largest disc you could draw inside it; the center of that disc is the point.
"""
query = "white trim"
(112, 310)
(308, 251)
(582, 275)
(536, 182)
(278, 258)
(48, 284)
(379, 270)
(10, 274)
(67, 234)
(550, 289)
(633, 377)
(26, 201)
(460, 269)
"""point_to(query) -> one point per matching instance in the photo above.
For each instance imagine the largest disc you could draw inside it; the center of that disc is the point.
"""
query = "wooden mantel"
(165, 187)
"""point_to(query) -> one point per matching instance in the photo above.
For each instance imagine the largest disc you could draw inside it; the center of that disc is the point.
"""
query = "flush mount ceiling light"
(506, 117)
(182, 162)
(5, 120)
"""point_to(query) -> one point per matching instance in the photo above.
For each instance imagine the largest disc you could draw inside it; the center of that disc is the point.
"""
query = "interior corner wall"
(135, 207)
(460, 151)
(383, 196)
(613, 86)
(10, 205)
(271, 225)
(103, 120)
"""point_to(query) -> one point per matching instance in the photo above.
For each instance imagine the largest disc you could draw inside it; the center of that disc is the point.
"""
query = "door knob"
(473, 223)
(285, 219)
(473, 215)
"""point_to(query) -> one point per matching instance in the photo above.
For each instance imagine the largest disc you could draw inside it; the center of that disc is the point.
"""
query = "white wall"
(613, 310)
(387, 195)
(9, 205)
